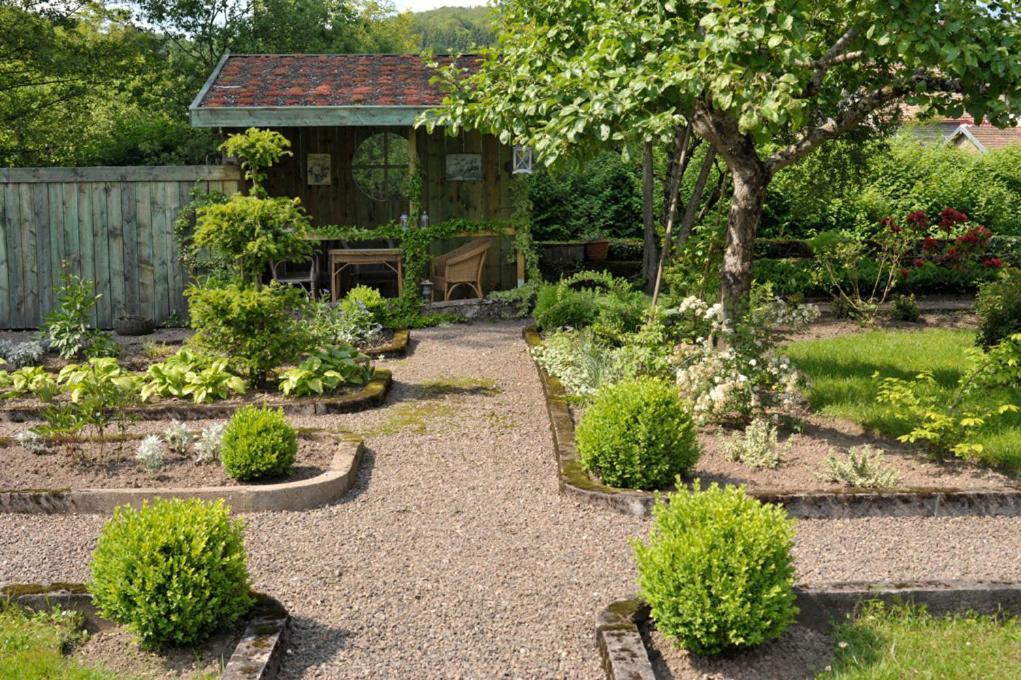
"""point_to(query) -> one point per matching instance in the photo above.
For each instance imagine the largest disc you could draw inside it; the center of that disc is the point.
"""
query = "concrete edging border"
(398, 347)
(907, 502)
(303, 494)
(625, 657)
(256, 656)
(372, 394)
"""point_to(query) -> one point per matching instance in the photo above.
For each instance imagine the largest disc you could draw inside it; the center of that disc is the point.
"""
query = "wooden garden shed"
(350, 120)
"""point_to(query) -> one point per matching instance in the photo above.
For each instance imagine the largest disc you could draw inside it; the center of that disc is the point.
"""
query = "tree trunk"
(750, 182)
(650, 250)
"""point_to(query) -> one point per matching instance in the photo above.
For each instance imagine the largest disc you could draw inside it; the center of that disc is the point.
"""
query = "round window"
(380, 166)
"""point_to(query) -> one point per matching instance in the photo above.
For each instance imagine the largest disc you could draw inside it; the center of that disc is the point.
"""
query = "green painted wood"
(115, 230)
(29, 259)
(305, 116)
(146, 273)
(101, 248)
(158, 226)
(56, 228)
(5, 267)
(85, 235)
(72, 248)
(175, 275)
(12, 231)
(41, 236)
(129, 229)
(154, 173)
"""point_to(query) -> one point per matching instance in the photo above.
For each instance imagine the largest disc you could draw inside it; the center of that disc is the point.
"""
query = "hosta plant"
(102, 378)
(188, 375)
(29, 381)
(325, 371)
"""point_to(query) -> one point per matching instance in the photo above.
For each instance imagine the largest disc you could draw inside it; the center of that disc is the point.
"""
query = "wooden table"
(342, 257)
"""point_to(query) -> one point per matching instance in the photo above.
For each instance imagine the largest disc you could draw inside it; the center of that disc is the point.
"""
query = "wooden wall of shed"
(343, 203)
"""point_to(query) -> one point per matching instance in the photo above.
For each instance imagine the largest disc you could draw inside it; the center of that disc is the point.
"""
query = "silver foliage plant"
(757, 446)
(863, 468)
(207, 447)
(32, 442)
(178, 437)
(150, 453)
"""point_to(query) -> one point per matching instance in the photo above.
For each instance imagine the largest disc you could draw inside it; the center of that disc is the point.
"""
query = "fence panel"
(113, 225)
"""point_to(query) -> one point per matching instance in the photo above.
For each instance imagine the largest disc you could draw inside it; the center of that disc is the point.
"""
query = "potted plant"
(597, 246)
(133, 324)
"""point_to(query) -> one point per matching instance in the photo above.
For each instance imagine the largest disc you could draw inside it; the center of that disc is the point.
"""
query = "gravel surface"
(455, 557)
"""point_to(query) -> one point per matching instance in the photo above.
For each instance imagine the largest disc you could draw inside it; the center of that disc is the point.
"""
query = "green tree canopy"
(765, 82)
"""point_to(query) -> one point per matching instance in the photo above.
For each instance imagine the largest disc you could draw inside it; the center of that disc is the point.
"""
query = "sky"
(420, 5)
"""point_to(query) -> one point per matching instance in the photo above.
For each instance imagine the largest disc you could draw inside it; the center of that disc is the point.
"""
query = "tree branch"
(836, 54)
(854, 114)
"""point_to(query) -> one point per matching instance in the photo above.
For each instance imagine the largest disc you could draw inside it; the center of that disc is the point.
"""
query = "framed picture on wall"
(463, 167)
(318, 169)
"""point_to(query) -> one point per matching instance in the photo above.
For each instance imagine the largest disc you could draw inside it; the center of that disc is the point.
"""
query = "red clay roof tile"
(325, 80)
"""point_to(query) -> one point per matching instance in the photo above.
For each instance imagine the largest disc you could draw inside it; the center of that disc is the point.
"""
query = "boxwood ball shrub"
(637, 434)
(999, 308)
(717, 569)
(173, 573)
(258, 443)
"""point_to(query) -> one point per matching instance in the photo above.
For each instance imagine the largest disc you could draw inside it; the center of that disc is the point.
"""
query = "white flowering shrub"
(178, 437)
(746, 377)
(32, 442)
(757, 446)
(207, 447)
(150, 453)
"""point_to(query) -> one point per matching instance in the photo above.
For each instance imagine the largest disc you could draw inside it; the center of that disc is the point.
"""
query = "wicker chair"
(461, 266)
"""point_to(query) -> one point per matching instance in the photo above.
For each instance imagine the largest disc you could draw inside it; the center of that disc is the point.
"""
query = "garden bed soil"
(800, 653)
(800, 468)
(114, 649)
(112, 465)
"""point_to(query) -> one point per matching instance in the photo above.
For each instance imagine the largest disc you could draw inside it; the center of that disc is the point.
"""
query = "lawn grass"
(841, 371)
(32, 646)
(900, 641)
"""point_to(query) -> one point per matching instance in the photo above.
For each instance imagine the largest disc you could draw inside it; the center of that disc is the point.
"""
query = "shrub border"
(398, 347)
(303, 494)
(257, 655)
(370, 395)
(624, 655)
(839, 504)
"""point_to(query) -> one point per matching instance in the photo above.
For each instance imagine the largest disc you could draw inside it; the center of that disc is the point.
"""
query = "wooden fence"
(114, 226)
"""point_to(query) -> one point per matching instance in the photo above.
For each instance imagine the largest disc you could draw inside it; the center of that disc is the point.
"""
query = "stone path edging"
(256, 656)
(909, 502)
(625, 657)
(303, 494)
(372, 394)
(398, 347)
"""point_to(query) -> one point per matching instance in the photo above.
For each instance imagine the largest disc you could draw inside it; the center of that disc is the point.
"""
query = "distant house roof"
(317, 90)
(964, 132)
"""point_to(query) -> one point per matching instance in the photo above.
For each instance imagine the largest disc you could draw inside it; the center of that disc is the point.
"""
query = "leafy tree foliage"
(765, 82)
(454, 30)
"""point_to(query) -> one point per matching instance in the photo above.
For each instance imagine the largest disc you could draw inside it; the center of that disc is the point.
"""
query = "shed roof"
(318, 89)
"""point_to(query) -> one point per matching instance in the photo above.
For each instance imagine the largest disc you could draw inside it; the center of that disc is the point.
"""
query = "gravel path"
(454, 557)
